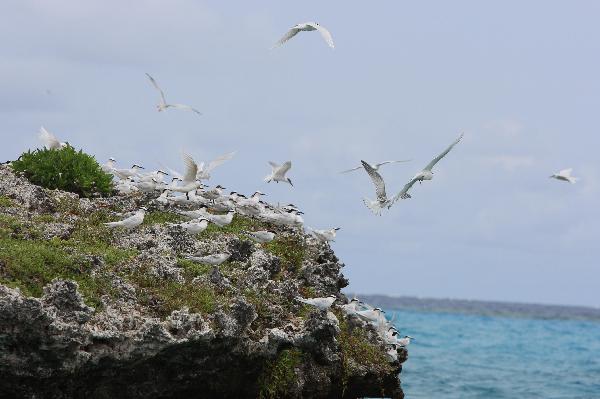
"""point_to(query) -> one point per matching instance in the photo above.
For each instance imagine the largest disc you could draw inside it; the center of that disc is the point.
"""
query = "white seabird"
(261, 236)
(214, 259)
(325, 235)
(565, 175)
(278, 172)
(306, 27)
(321, 303)
(162, 105)
(50, 141)
(189, 182)
(195, 226)
(131, 222)
(382, 200)
(427, 173)
(404, 341)
(204, 170)
(374, 166)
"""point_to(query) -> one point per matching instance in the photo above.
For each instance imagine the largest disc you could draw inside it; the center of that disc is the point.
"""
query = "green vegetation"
(6, 202)
(30, 265)
(65, 169)
(358, 351)
(164, 296)
(193, 269)
(290, 249)
(160, 217)
(279, 376)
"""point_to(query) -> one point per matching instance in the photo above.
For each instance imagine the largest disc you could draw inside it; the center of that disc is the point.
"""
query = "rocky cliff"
(88, 312)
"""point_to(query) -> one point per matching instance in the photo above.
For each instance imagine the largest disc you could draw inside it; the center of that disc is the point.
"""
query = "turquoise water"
(468, 356)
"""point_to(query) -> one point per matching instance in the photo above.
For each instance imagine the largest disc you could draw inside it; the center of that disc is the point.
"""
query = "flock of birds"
(188, 188)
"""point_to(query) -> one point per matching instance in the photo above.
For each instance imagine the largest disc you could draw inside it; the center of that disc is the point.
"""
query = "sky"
(520, 79)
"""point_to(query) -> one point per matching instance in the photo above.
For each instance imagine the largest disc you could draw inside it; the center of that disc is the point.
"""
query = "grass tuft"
(279, 375)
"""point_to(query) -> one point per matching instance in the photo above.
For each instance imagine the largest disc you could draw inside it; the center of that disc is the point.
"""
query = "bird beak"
(290, 181)
(337, 228)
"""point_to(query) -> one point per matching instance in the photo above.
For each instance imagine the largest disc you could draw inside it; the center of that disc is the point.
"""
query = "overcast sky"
(520, 79)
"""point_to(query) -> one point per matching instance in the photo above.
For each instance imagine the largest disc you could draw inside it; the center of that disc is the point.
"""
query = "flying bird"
(204, 170)
(278, 172)
(306, 27)
(375, 166)
(50, 141)
(131, 222)
(382, 201)
(162, 105)
(426, 173)
(565, 175)
(189, 180)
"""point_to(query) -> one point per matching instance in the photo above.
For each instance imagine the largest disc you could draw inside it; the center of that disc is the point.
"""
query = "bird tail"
(374, 206)
(112, 224)
(572, 180)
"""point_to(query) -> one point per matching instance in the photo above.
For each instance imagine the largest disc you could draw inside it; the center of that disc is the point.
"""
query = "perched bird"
(50, 141)
(321, 303)
(325, 235)
(404, 341)
(375, 166)
(371, 315)
(127, 173)
(306, 27)
(131, 222)
(157, 175)
(213, 194)
(262, 236)
(195, 226)
(278, 172)
(162, 105)
(204, 170)
(109, 165)
(565, 175)
(214, 259)
(426, 173)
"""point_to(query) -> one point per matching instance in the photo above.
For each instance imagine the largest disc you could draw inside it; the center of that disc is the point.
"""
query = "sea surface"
(462, 355)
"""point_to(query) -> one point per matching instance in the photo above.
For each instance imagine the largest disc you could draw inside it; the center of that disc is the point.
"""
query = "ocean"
(457, 355)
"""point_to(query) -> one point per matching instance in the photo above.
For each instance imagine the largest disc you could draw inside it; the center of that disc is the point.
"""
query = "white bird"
(214, 259)
(426, 173)
(131, 222)
(352, 307)
(126, 187)
(278, 172)
(195, 226)
(204, 170)
(374, 166)
(214, 193)
(127, 173)
(325, 235)
(219, 220)
(404, 341)
(162, 105)
(306, 27)
(382, 200)
(157, 175)
(261, 236)
(109, 165)
(371, 315)
(50, 141)
(321, 303)
(565, 175)
(189, 181)
(148, 186)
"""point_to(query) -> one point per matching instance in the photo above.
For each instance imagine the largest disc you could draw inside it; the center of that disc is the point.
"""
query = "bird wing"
(219, 160)
(377, 181)
(162, 95)
(386, 162)
(174, 173)
(185, 107)
(404, 191)
(324, 33)
(274, 165)
(351, 170)
(566, 172)
(49, 140)
(285, 167)
(443, 154)
(191, 168)
(288, 35)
